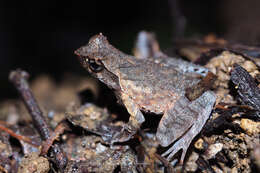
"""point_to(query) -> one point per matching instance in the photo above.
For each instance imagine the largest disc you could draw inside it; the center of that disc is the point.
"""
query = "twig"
(57, 132)
(19, 79)
(165, 162)
(204, 165)
(19, 137)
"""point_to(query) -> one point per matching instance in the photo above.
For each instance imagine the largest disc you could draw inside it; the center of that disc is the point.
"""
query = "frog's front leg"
(183, 122)
(134, 123)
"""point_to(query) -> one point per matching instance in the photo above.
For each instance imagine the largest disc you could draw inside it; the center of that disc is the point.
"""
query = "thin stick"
(57, 132)
(19, 79)
(19, 137)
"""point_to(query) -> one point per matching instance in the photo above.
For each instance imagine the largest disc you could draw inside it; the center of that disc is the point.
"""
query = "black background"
(40, 36)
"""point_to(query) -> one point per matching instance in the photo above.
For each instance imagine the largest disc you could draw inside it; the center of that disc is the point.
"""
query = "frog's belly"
(149, 99)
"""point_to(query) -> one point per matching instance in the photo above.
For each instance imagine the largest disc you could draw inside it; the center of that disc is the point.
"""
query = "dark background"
(40, 36)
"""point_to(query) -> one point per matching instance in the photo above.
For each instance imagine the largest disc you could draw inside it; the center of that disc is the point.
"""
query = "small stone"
(251, 127)
(256, 155)
(249, 66)
(191, 165)
(100, 148)
(33, 163)
(199, 144)
(234, 170)
(212, 150)
(216, 169)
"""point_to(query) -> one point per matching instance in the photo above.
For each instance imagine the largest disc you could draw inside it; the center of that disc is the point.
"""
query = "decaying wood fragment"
(246, 86)
(194, 92)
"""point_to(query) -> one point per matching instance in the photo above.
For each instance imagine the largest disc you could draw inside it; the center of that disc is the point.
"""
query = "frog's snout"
(77, 52)
(81, 59)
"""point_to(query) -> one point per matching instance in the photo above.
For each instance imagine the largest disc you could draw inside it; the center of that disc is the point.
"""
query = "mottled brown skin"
(152, 85)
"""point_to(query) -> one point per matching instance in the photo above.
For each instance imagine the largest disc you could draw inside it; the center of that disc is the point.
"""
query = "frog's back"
(153, 86)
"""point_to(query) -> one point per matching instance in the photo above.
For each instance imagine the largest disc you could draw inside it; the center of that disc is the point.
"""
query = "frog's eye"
(94, 67)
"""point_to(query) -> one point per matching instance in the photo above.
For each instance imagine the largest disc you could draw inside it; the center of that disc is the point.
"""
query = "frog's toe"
(109, 133)
(125, 134)
(180, 144)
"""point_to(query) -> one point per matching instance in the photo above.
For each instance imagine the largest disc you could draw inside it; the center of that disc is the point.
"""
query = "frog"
(151, 85)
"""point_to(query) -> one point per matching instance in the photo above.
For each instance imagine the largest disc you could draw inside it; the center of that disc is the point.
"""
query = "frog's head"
(90, 56)
(100, 59)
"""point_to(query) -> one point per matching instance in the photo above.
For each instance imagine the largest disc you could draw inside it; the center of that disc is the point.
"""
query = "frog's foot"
(183, 122)
(136, 119)
(126, 133)
(116, 133)
(183, 143)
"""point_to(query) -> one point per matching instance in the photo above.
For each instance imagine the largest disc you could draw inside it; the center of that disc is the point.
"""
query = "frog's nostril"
(76, 52)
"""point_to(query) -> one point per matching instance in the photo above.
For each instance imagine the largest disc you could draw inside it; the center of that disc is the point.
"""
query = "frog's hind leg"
(134, 123)
(186, 118)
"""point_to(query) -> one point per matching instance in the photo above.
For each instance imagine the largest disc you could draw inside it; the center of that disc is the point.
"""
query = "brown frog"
(154, 85)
